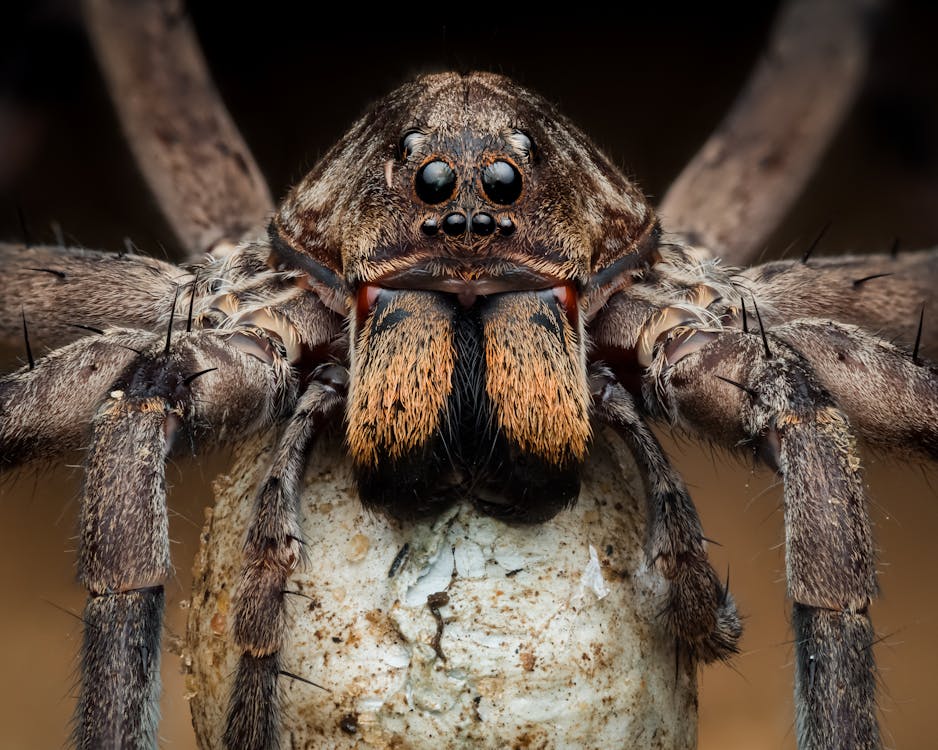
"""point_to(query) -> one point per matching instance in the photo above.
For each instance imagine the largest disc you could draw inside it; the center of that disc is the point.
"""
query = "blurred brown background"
(648, 88)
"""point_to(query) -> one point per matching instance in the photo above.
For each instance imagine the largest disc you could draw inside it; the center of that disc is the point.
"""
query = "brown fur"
(535, 378)
(57, 288)
(401, 377)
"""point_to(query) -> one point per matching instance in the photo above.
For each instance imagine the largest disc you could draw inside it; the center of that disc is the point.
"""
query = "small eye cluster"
(435, 183)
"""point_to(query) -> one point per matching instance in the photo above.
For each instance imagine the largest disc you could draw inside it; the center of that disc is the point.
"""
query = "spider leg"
(882, 293)
(889, 393)
(185, 142)
(123, 543)
(58, 289)
(732, 194)
(272, 551)
(123, 560)
(700, 610)
(200, 385)
(740, 387)
(45, 409)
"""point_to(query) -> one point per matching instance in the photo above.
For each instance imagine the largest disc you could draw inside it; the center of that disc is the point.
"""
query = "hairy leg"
(123, 559)
(739, 389)
(58, 289)
(889, 393)
(884, 294)
(272, 550)
(46, 410)
(190, 152)
(200, 387)
(65, 293)
(735, 191)
(701, 612)
(123, 549)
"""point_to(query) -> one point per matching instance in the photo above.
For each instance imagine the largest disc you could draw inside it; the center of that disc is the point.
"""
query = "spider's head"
(466, 183)
(458, 224)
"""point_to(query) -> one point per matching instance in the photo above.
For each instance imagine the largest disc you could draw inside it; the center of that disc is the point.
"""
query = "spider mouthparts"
(367, 296)
(569, 300)
(468, 292)
(467, 298)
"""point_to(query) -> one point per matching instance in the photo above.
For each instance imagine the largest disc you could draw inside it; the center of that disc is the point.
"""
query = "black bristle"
(859, 282)
(745, 320)
(192, 288)
(29, 349)
(765, 340)
(129, 348)
(297, 593)
(894, 249)
(918, 337)
(189, 378)
(741, 387)
(98, 331)
(58, 274)
(303, 679)
(172, 316)
(817, 240)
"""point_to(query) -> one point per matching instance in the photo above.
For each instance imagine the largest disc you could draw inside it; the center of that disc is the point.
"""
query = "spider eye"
(522, 142)
(435, 182)
(501, 182)
(408, 144)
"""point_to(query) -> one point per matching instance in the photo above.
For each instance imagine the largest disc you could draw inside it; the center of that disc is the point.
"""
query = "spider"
(655, 274)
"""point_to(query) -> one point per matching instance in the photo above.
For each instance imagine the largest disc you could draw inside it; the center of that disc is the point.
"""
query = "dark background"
(648, 87)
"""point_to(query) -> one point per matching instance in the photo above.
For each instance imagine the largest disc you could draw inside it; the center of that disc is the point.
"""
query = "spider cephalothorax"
(468, 178)
(470, 283)
(459, 212)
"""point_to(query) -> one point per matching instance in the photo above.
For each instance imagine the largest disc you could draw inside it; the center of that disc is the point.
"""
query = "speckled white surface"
(550, 637)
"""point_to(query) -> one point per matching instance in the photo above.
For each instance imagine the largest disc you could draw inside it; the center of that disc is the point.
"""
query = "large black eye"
(435, 182)
(502, 182)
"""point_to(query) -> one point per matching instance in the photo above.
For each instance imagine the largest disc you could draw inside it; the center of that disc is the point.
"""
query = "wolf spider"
(419, 244)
